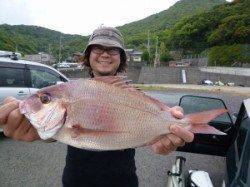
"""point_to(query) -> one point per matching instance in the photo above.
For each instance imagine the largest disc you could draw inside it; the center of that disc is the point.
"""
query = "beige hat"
(108, 37)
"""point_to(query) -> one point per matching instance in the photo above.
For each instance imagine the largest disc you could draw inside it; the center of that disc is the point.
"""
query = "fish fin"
(114, 80)
(204, 129)
(199, 121)
(122, 82)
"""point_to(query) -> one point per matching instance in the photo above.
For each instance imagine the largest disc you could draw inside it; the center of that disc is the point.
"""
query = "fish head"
(47, 109)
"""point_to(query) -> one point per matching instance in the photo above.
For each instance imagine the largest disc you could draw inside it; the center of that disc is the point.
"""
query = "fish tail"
(199, 121)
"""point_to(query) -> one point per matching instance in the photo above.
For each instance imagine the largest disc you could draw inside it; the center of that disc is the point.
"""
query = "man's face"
(104, 61)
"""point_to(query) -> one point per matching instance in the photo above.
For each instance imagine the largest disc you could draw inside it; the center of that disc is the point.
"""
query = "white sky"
(78, 16)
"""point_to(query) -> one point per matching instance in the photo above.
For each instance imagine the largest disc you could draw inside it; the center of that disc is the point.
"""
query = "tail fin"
(198, 121)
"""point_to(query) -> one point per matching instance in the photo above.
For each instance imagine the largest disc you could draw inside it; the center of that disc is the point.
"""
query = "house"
(133, 55)
(43, 58)
(78, 57)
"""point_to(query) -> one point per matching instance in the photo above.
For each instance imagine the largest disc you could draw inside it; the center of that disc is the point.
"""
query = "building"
(43, 58)
(78, 57)
(133, 55)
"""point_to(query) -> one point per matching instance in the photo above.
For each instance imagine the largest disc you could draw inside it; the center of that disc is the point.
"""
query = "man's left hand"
(177, 138)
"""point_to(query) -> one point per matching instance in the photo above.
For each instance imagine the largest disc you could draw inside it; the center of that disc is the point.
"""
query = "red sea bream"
(105, 113)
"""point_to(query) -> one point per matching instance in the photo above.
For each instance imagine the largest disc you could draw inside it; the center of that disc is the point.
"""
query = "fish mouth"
(51, 132)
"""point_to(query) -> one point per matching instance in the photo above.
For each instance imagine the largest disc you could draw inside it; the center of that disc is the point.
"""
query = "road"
(41, 164)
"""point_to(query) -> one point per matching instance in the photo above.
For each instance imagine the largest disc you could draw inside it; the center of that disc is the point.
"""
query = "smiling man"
(105, 56)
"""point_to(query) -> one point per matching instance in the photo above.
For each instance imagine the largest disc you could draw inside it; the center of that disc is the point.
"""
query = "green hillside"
(167, 18)
(225, 29)
(33, 39)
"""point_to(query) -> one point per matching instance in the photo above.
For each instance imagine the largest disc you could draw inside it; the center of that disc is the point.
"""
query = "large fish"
(105, 113)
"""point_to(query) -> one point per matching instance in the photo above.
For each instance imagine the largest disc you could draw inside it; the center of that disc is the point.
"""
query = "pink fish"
(106, 113)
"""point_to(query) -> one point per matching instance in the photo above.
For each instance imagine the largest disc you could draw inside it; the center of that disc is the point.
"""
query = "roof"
(9, 60)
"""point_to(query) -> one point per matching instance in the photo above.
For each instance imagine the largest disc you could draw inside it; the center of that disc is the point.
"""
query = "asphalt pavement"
(41, 164)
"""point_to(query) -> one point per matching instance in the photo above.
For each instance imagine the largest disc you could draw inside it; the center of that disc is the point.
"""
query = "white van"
(21, 78)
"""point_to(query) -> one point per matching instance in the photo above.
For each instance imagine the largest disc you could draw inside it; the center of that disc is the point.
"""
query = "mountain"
(167, 18)
(222, 34)
(226, 24)
(34, 39)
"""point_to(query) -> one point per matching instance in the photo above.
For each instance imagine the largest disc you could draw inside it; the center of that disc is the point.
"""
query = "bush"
(229, 55)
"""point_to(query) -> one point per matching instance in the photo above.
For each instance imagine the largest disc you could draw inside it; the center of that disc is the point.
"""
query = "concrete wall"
(133, 72)
(75, 73)
(170, 75)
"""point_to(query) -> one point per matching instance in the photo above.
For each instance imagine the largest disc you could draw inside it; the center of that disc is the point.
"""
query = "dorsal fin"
(118, 81)
(123, 83)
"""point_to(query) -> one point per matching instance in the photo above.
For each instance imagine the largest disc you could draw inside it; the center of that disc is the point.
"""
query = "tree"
(229, 55)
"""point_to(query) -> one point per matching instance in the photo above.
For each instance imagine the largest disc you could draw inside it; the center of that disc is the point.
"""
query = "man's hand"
(16, 126)
(176, 138)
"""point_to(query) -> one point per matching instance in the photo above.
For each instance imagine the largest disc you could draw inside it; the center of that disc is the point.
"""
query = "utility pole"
(60, 48)
(50, 62)
(148, 47)
(157, 60)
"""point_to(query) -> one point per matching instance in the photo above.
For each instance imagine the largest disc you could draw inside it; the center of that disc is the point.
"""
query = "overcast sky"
(78, 16)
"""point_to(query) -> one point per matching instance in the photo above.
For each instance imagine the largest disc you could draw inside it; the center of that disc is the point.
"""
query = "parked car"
(60, 65)
(21, 78)
(206, 82)
(235, 146)
(66, 65)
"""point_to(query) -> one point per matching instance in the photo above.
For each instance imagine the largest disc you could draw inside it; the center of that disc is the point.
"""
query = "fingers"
(31, 135)
(161, 148)
(177, 112)
(13, 122)
(182, 133)
(9, 99)
(22, 130)
(175, 140)
(16, 125)
(172, 141)
(7, 108)
(167, 144)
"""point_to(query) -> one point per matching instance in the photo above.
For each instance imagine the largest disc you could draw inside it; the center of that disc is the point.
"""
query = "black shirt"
(100, 168)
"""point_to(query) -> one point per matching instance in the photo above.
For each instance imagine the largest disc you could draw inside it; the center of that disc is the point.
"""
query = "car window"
(192, 104)
(11, 77)
(41, 78)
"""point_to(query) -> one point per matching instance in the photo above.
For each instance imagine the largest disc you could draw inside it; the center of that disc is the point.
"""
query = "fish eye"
(45, 98)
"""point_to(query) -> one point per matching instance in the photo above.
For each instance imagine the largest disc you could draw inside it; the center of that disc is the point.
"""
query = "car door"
(13, 81)
(235, 146)
(40, 76)
(206, 143)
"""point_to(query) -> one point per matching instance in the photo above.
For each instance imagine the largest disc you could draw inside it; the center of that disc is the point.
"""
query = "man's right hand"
(16, 126)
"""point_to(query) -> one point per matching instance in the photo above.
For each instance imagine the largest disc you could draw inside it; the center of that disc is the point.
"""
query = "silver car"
(21, 78)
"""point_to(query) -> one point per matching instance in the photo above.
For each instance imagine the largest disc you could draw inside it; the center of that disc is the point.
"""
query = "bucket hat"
(108, 37)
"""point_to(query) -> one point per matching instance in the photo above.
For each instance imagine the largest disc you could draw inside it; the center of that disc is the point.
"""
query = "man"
(105, 56)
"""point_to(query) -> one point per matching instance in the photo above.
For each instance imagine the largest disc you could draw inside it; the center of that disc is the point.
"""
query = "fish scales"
(126, 124)
(105, 114)
(108, 93)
